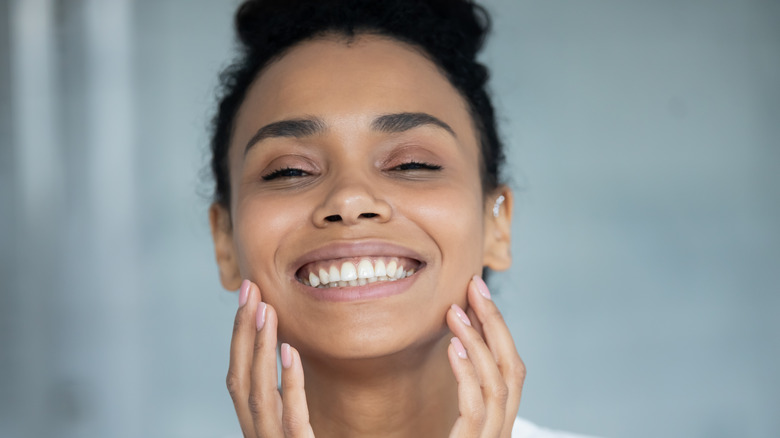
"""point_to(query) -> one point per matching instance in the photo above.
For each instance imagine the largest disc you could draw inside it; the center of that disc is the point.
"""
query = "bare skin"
(378, 359)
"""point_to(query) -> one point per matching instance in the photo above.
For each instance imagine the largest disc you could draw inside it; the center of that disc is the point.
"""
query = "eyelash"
(417, 165)
(292, 172)
(285, 172)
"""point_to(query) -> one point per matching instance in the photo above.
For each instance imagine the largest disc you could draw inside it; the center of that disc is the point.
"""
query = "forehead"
(351, 81)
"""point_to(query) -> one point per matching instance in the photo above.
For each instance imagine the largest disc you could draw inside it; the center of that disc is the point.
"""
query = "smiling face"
(359, 161)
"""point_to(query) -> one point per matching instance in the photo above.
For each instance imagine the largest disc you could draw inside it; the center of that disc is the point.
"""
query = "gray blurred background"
(645, 147)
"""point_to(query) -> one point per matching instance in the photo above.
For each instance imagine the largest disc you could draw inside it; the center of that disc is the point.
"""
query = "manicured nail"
(260, 317)
(286, 355)
(243, 293)
(461, 314)
(481, 286)
(459, 348)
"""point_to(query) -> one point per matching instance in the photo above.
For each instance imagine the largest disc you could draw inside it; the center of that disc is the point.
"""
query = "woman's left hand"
(489, 371)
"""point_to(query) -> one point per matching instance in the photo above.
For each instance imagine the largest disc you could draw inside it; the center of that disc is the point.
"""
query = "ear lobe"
(498, 230)
(224, 249)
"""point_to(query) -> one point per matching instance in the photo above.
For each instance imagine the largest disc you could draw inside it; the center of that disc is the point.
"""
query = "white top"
(525, 429)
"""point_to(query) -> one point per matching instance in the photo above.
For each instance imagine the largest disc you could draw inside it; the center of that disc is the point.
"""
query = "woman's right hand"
(252, 377)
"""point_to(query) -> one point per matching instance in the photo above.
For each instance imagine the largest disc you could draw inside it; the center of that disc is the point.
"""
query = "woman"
(357, 201)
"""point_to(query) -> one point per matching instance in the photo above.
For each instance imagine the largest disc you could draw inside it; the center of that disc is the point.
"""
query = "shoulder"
(525, 429)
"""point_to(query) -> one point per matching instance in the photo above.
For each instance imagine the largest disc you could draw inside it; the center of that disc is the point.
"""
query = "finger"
(475, 322)
(494, 389)
(295, 412)
(499, 340)
(265, 403)
(470, 404)
(241, 352)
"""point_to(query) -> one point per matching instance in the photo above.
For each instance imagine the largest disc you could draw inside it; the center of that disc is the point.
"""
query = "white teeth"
(314, 280)
(324, 277)
(379, 269)
(391, 267)
(348, 272)
(365, 269)
(364, 273)
(334, 275)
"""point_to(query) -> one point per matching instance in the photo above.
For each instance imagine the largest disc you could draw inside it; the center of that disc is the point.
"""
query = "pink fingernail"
(243, 293)
(461, 314)
(286, 355)
(459, 349)
(481, 286)
(260, 317)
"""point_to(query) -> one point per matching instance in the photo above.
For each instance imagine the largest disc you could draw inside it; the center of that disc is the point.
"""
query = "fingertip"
(480, 301)
(296, 362)
(481, 287)
(286, 356)
(260, 316)
(460, 350)
(461, 314)
(270, 315)
(456, 363)
(296, 357)
(243, 293)
(454, 323)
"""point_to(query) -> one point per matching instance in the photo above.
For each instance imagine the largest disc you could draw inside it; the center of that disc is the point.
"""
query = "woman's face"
(349, 159)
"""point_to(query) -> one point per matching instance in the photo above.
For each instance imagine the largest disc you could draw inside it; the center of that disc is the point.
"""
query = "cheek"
(453, 219)
(262, 225)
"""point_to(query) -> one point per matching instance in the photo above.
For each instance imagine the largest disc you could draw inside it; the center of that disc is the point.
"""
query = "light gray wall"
(646, 288)
(644, 143)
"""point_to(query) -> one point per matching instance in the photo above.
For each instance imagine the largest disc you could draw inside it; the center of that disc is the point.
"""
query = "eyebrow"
(297, 128)
(401, 122)
(306, 127)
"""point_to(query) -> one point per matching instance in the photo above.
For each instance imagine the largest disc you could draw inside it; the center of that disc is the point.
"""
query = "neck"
(403, 395)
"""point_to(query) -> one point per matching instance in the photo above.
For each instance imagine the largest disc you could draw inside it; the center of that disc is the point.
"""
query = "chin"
(366, 334)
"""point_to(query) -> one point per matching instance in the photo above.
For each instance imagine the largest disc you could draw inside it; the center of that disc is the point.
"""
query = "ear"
(498, 230)
(224, 249)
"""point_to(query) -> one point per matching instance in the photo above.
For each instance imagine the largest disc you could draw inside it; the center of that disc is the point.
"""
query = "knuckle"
(255, 403)
(513, 371)
(233, 382)
(477, 415)
(516, 372)
(291, 423)
(237, 323)
(500, 392)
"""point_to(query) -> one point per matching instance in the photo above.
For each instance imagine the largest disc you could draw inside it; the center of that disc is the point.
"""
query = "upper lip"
(366, 248)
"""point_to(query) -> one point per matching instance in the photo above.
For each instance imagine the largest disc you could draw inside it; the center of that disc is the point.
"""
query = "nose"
(351, 201)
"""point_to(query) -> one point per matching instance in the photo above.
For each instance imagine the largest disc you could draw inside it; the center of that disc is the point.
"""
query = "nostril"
(368, 215)
(333, 218)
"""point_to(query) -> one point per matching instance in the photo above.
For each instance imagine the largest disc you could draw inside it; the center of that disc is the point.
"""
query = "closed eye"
(285, 172)
(416, 165)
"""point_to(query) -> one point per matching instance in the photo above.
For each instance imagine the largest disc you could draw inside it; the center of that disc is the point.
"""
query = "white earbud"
(497, 205)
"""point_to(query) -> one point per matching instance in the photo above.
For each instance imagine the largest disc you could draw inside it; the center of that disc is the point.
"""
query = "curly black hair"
(449, 32)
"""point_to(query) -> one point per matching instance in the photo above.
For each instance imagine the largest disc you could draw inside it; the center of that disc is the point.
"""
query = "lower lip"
(370, 291)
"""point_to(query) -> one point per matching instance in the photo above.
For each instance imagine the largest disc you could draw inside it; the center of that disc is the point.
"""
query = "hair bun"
(473, 22)
(461, 23)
